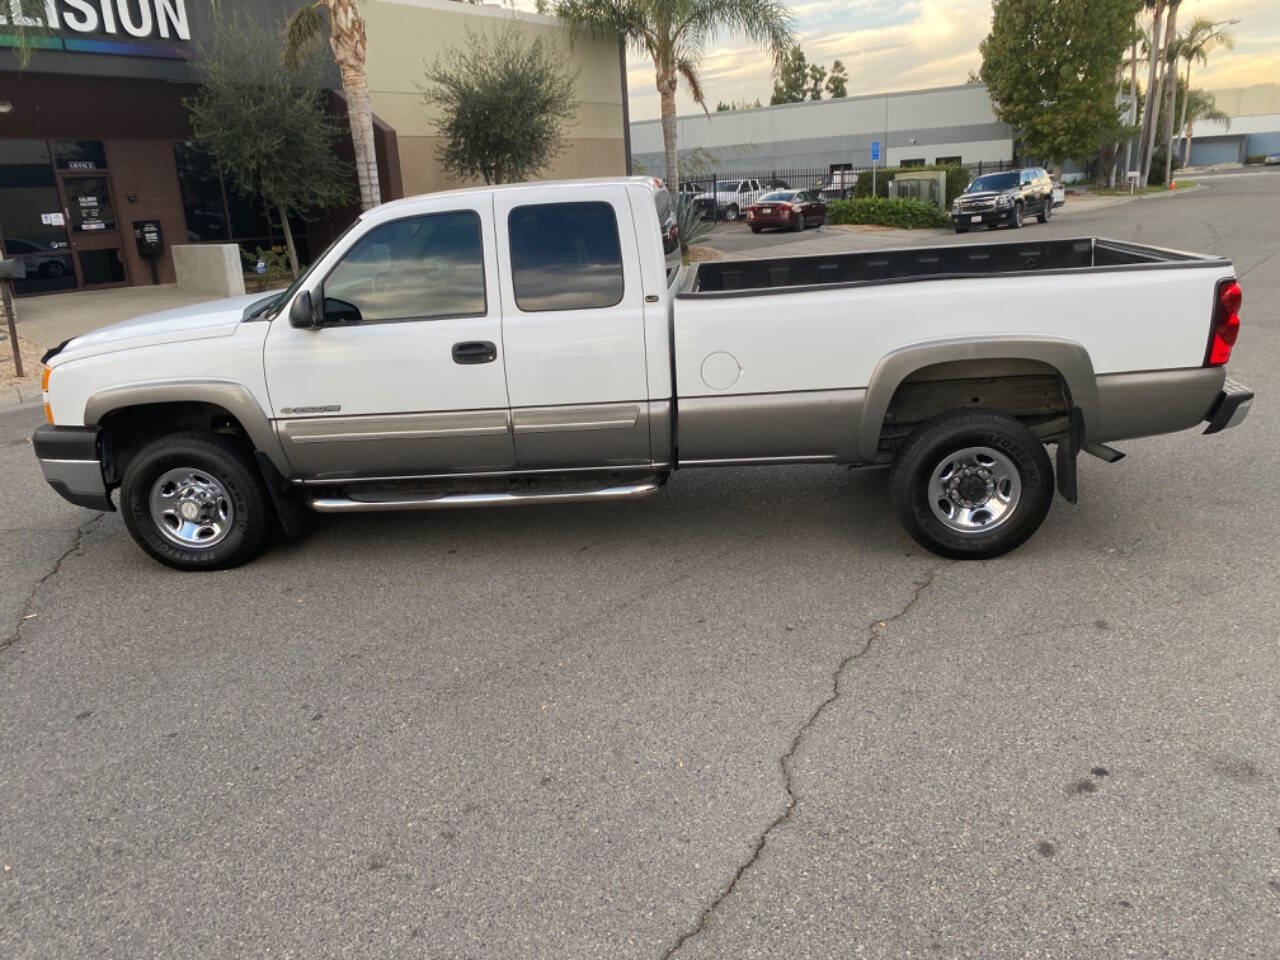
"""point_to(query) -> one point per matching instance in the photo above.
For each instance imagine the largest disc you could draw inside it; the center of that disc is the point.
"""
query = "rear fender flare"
(1069, 358)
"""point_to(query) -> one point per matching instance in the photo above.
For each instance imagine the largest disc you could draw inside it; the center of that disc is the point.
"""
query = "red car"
(787, 210)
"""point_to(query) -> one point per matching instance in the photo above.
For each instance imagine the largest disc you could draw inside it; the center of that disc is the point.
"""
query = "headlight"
(955, 206)
(1005, 200)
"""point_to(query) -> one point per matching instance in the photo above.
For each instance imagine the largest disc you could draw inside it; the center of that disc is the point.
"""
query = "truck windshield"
(995, 181)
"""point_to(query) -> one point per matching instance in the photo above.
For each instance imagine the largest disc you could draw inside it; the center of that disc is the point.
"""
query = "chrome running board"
(450, 501)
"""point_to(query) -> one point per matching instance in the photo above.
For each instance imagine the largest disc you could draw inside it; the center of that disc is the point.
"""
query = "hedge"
(887, 212)
(957, 180)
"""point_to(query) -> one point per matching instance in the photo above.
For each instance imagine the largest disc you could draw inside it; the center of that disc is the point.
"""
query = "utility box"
(927, 185)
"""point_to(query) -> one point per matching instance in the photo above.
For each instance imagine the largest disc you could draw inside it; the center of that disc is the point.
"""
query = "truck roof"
(653, 183)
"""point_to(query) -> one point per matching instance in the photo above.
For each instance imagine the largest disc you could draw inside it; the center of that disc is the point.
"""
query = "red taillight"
(1226, 323)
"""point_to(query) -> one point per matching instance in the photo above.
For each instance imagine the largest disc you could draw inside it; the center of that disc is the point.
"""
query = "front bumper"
(1230, 408)
(985, 217)
(71, 458)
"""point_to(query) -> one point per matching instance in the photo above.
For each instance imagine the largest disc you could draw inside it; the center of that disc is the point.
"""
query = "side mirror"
(301, 313)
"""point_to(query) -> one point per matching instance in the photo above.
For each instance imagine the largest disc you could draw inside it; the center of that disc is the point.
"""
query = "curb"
(19, 396)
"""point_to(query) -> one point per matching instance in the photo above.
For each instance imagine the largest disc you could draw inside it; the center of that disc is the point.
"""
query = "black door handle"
(475, 351)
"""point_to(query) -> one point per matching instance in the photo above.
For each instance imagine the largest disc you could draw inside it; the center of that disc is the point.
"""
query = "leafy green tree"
(817, 75)
(267, 126)
(674, 34)
(1051, 68)
(792, 83)
(837, 81)
(502, 105)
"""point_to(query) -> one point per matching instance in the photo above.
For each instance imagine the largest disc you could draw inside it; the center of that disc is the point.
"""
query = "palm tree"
(1148, 106)
(347, 41)
(1202, 38)
(673, 34)
(1169, 86)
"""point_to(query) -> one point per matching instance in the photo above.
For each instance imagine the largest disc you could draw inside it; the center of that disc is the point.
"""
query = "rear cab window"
(565, 256)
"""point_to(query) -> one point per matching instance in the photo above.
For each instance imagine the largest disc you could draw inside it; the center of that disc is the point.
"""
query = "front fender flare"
(232, 396)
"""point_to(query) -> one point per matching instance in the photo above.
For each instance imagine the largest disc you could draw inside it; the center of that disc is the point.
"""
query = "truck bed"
(1093, 254)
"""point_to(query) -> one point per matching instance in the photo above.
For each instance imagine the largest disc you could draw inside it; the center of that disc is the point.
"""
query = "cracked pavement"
(746, 718)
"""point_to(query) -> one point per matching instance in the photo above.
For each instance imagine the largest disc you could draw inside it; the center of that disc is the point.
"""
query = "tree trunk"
(1182, 122)
(1170, 92)
(347, 40)
(1131, 115)
(667, 90)
(1148, 124)
(288, 240)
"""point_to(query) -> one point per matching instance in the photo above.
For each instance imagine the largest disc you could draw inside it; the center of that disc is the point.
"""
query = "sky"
(891, 45)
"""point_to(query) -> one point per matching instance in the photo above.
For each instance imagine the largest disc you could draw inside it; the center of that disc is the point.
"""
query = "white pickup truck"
(541, 343)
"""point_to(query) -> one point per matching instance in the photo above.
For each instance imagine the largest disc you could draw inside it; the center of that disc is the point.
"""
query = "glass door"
(90, 212)
(32, 222)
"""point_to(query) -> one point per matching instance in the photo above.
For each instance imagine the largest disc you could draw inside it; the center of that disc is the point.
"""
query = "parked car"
(530, 343)
(41, 259)
(1059, 192)
(996, 199)
(1271, 159)
(787, 210)
(730, 199)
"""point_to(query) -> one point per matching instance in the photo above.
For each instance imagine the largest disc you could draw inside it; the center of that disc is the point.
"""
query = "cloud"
(890, 45)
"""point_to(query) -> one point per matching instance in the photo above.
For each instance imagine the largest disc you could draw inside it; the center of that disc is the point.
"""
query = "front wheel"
(195, 501)
(971, 484)
(1017, 216)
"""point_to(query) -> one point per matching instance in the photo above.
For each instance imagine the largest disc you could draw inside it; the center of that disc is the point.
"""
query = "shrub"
(693, 227)
(1256, 158)
(277, 273)
(887, 212)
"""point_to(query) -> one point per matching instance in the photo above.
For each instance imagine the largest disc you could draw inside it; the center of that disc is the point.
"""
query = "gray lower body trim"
(1159, 401)
(818, 425)
(599, 434)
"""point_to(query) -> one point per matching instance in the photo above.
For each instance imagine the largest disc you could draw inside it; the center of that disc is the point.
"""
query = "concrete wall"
(943, 122)
(406, 36)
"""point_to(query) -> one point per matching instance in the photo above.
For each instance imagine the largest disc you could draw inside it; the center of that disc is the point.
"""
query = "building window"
(79, 155)
(565, 256)
(914, 162)
(948, 161)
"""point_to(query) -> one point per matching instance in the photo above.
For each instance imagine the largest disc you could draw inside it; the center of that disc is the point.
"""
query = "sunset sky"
(907, 44)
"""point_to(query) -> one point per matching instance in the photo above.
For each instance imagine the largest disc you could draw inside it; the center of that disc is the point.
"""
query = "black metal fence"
(724, 195)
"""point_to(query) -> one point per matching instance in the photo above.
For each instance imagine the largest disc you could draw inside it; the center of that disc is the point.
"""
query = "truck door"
(573, 328)
(404, 375)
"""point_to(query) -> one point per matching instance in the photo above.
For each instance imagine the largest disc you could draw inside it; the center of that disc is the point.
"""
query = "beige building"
(406, 36)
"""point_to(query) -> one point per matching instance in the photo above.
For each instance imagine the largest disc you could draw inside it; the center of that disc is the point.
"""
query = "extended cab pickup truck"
(541, 343)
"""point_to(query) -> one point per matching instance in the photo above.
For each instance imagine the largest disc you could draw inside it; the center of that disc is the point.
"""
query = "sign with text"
(875, 150)
(111, 27)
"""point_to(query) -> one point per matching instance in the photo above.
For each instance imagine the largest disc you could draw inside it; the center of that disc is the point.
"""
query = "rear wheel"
(971, 484)
(797, 222)
(1046, 209)
(731, 213)
(195, 501)
(962, 229)
(755, 228)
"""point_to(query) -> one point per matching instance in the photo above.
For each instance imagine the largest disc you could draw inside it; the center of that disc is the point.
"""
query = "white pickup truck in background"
(541, 343)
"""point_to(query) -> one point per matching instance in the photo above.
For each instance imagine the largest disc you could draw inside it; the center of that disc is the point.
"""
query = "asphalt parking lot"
(746, 718)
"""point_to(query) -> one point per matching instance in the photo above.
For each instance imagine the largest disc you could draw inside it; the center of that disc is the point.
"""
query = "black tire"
(755, 228)
(797, 223)
(229, 463)
(962, 229)
(928, 448)
(731, 213)
(1016, 220)
(1046, 210)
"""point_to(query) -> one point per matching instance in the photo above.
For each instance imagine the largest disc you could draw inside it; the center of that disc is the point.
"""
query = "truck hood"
(216, 318)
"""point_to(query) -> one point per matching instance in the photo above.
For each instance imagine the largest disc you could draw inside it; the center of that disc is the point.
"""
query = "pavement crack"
(25, 616)
(874, 629)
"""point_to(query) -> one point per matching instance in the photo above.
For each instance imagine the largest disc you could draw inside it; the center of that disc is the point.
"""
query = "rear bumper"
(1230, 408)
(71, 459)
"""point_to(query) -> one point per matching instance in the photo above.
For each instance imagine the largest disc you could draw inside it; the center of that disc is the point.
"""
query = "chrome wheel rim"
(191, 508)
(974, 490)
